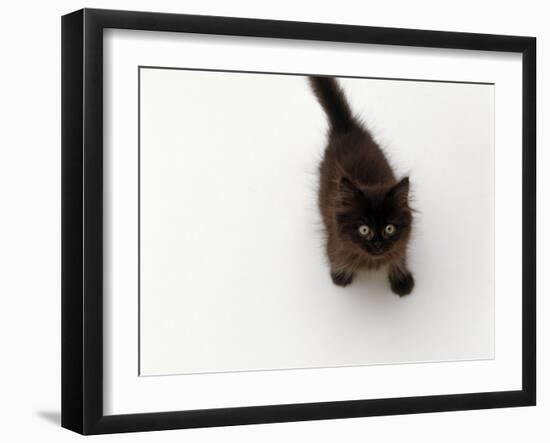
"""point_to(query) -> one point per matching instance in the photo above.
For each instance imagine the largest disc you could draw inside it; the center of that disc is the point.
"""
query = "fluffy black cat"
(365, 209)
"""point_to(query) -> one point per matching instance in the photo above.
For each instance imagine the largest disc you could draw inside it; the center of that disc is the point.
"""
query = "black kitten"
(365, 209)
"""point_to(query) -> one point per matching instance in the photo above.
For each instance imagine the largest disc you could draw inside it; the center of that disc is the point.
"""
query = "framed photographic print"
(269, 221)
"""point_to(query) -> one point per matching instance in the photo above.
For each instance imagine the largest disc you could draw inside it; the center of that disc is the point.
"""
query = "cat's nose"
(377, 244)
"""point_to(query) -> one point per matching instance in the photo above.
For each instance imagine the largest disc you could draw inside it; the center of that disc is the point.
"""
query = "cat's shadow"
(371, 288)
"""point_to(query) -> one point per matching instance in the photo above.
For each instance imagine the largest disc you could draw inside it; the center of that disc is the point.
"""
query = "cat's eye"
(389, 229)
(364, 230)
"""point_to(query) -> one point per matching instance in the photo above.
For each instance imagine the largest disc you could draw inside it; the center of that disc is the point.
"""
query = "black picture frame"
(82, 220)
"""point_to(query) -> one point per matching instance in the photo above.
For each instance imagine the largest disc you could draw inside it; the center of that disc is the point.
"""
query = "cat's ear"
(348, 191)
(400, 192)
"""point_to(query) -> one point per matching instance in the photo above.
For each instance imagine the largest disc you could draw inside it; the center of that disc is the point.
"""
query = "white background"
(233, 272)
(30, 183)
(127, 393)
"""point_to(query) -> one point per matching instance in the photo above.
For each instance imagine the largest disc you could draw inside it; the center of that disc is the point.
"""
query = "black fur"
(333, 101)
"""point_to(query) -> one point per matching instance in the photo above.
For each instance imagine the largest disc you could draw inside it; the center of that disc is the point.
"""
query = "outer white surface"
(125, 392)
(233, 272)
(30, 180)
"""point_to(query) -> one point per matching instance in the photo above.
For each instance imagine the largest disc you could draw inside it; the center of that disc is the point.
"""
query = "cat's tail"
(332, 99)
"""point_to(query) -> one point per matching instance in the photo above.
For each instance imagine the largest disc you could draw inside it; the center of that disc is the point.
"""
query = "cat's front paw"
(341, 278)
(402, 285)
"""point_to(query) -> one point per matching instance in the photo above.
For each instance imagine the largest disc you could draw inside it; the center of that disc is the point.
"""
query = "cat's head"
(376, 219)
